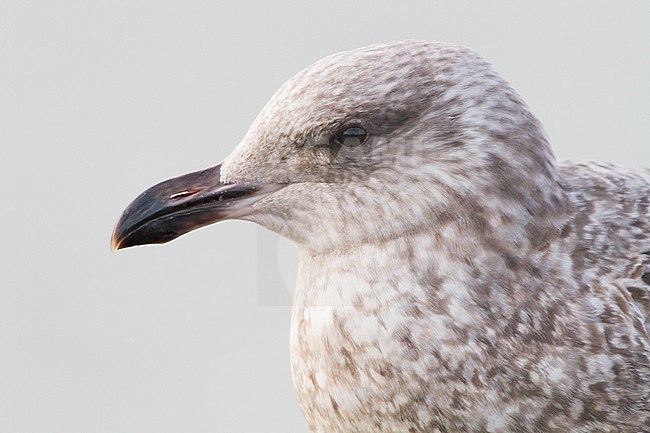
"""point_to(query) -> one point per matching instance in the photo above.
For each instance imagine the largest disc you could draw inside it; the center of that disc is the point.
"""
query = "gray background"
(101, 99)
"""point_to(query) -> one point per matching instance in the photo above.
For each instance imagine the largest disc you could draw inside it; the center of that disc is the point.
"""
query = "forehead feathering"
(437, 97)
(382, 83)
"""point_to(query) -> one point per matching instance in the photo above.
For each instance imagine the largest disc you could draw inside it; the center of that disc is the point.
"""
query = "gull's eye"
(351, 137)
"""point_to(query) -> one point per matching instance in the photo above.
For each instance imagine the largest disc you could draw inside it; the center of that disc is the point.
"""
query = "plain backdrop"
(101, 99)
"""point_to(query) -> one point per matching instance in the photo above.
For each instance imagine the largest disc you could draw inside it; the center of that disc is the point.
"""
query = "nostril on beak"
(185, 193)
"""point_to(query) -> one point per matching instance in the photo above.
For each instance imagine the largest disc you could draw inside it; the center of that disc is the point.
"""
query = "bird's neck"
(456, 258)
(440, 221)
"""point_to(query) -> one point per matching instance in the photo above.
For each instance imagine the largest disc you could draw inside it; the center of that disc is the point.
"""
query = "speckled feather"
(453, 276)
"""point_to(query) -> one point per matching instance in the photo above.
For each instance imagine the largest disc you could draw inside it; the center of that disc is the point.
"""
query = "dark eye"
(353, 136)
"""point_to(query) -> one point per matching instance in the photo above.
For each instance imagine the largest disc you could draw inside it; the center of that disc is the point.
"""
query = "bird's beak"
(182, 204)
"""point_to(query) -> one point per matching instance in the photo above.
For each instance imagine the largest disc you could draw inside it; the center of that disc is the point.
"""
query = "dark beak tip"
(116, 241)
(179, 205)
(115, 244)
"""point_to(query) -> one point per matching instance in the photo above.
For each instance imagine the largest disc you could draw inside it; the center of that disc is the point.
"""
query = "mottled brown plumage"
(453, 276)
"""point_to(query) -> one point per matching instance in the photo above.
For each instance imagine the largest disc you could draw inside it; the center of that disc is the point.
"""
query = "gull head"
(369, 144)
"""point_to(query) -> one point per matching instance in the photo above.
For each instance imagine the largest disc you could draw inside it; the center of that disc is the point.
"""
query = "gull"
(453, 277)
